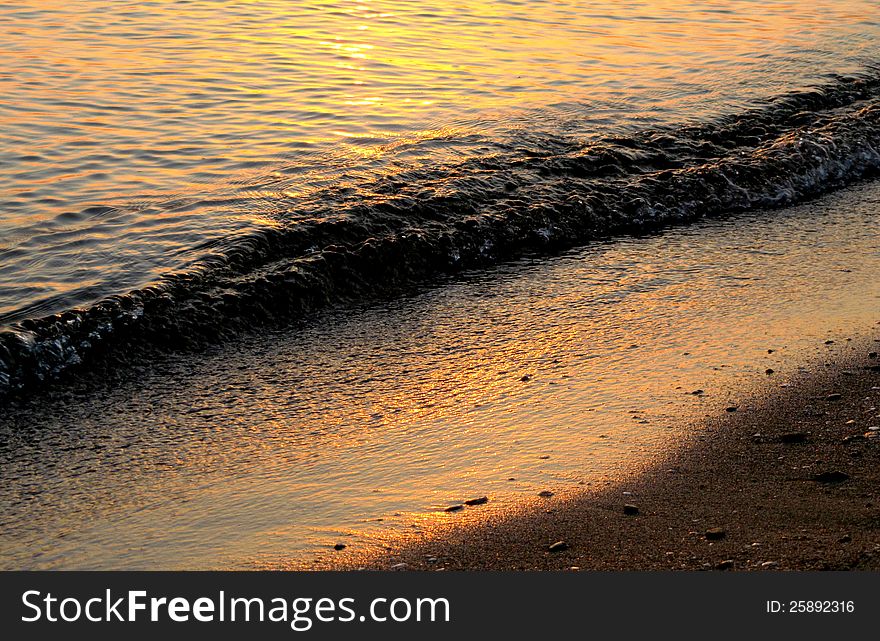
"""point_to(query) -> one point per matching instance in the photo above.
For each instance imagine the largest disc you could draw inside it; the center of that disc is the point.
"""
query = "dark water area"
(532, 192)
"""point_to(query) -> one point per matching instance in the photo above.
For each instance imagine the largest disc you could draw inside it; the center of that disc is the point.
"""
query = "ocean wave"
(532, 192)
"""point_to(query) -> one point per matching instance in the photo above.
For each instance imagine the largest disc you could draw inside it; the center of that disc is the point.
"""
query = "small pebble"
(479, 501)
(794, 437)
(715, 534)
(833, 476)
(630, 510)
(454, 508)
(545, 494)
(399, 566)
(339, 546)
(732, 408)
(559, 546)
(725, 565)
(833, 397)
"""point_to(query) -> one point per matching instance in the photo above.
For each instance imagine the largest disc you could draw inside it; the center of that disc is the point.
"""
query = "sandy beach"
(785, 481)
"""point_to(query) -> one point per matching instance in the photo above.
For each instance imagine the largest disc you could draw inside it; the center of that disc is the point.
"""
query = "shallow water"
(277, 446)
(139, 137)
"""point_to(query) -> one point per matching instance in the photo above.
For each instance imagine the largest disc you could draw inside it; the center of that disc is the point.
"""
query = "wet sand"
(787, 481)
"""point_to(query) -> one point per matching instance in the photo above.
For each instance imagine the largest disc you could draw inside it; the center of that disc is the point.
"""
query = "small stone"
(399, 566)
(454, 508)
(846, 538)
(769, 371)
(833, 397)
(545, 494)
(431, 559)
(769, 565)
(630, 510)
(829, 342)
(715, 534)
(559, 546)
(526, 378)
(833, 476)
(732, 408)
(698, 392)
(339, 546)
(479, 501)
(770, 351)
(794, 437)
(725, 565)
(872, 354)
(544, 458)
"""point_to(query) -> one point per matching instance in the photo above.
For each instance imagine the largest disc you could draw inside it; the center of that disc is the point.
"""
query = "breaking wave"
(533, 192)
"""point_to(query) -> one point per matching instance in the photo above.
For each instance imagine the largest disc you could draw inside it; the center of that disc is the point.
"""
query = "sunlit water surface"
(137, 136)
(279, 446)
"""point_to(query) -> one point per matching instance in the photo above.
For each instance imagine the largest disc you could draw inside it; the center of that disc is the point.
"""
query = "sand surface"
(787, 481)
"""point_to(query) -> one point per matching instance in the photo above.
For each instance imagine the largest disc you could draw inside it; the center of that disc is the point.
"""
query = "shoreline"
(784, 482)
(365, 425)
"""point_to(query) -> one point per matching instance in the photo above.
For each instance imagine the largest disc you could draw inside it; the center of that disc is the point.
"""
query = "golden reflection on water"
(141, 106)
(177, 94)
